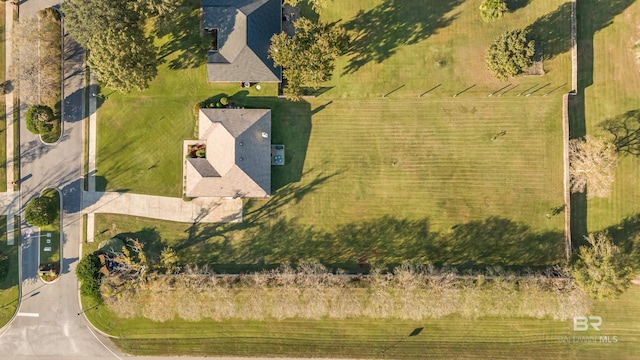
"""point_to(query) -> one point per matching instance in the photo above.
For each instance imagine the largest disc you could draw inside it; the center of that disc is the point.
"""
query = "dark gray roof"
(238, 156)
(203, 167)
(244, 28)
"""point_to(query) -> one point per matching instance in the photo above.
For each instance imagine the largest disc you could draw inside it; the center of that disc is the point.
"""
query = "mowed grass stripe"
(448, 337)
(440, 153)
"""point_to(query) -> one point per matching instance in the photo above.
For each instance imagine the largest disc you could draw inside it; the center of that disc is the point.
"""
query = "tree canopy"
(316, 5)
(308, 58)
(491, 10)
(85, 19)
(113, 31)
(39, 119)
(592, 166)
(88, 272)
(42, 211)
(601, 269)
(124, 61)
(510, 54)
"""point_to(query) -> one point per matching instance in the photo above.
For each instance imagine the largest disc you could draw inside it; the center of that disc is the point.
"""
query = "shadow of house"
(240, 32)
(237, 160)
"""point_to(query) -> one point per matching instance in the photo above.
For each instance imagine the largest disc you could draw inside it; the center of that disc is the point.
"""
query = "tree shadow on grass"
(553, 30)
(514, 5)
(150, 237)
(256, 210)
(387, 241)
(381, 31)
(184, 41)
(625, 130)
(592, 16)
(626, 235)
(578, 219)
(500, 241)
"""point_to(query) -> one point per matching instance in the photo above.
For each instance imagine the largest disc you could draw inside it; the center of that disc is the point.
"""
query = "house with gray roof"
(240, 32)
(237, 160)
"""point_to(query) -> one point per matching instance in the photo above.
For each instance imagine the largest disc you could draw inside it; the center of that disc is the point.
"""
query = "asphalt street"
(47, 324)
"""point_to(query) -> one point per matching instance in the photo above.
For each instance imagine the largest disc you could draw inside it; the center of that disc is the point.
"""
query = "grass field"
(609, 75)
(450, 337)
(9, 291)
(384, 178)
(52, 241)
(393, 165)
(421, 44)
(353, 156)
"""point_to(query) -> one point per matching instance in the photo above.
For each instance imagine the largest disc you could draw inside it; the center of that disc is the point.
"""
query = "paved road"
(48, 324)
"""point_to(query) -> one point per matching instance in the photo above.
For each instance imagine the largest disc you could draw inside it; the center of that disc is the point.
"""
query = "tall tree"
(87, 18)
(316, 5)
(88, 272)
(592, 165)
(601, 269)
(491, 10)
(42, 210)
(308, 58)
(510, 54)
(168, 260)
(124, 61)
(120, 54)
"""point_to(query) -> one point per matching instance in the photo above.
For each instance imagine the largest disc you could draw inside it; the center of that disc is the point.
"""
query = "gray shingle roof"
(237, 154)
(244, 28)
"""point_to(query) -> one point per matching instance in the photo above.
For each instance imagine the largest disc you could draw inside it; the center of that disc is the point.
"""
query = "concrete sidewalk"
(207, 210)
(12, 203)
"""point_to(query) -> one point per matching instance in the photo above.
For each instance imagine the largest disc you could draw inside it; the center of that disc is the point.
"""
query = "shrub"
(88, 272)
(40, 119)
(602, 269)
(510, 55)
(42, 210)
(491, 10)
(52, 13)
(196, 108)
(201, 153)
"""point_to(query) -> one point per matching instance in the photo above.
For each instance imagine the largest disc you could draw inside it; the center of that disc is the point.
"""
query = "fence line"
(574, 48)
(566, 178)
(566, 129)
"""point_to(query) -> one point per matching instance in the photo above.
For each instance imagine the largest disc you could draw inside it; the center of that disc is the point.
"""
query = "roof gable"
(244, 30)
(238, 151)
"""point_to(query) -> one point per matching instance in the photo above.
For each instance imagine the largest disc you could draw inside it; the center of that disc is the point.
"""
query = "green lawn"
(450, 337)
(9, 292)
(610, 77)
(52, 241)
(384, 179)
(354, 158)
(420, 44)
(51, 47)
